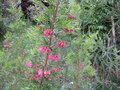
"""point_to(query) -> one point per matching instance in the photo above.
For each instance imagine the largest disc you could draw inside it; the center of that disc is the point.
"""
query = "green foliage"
(79, 55)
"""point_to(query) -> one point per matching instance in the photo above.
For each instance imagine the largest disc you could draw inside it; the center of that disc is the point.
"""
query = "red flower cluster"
(44, 49)
(40, 74)
(61, 43)
(47, 72)
(54, 57)
(49, 33)
(71, 16)
(71, 31)
(43, 72)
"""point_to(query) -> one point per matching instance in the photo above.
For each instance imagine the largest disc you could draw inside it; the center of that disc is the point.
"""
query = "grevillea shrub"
(50, 69)
(76, 60)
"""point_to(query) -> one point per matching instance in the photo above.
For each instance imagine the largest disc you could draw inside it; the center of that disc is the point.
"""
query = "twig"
(55, 14)
(113, 31)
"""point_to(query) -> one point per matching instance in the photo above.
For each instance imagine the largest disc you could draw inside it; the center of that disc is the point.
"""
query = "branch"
(113, 31)
(55, 14)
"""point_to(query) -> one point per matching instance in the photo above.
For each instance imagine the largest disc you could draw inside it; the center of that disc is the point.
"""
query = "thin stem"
(77, 76)
(76, 84)
(46, 61)
(55, 14)
(50, 41)
(113, 31)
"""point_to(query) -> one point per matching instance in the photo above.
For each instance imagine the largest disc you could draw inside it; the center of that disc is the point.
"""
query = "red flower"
(71, 31)
(61, 44)
(81, 65)
(47, 72)
(40, 72)
(54, 57)
(5, 45)
(54, 69)
(49, 33)
(29, 64)
(44, 49)
(72, 16)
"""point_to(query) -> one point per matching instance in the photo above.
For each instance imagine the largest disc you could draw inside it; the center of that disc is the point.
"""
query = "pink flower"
(44, 49)
(71, 31)
(47, 72)
(49, 33)
(72, 16)
(40, 72)
(61, 44)
(54, 69)
(54, 57)
(5, 44)
(81, 65)
(29, 64)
